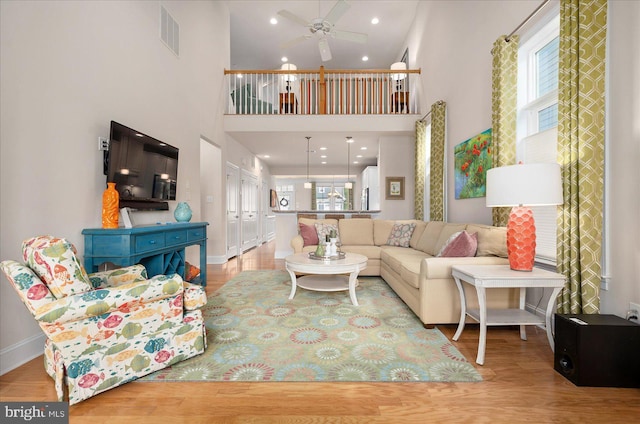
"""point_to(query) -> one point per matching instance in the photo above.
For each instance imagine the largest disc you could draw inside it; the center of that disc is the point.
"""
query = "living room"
(69, 68)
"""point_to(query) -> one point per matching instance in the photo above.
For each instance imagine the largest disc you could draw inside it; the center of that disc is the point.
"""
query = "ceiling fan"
(323, 28)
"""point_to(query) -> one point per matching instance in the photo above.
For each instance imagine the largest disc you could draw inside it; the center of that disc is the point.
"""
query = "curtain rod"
(439, 102)
(527, 19)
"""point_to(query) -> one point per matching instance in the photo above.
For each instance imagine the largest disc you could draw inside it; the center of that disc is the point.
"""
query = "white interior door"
(233, 210)
(264, 212)
(249, 215)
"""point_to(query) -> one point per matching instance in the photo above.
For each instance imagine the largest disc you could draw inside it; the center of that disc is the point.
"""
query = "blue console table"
(160, 248)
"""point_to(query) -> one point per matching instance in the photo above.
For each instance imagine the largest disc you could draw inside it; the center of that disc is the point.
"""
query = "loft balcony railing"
(322, 92)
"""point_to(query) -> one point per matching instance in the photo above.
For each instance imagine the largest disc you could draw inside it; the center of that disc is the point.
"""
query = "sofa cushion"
(371, 252)
(309, 234)
(401, 234)
(429, 237)
(417, 232)
(381, 230)
(356, 232)
(492, 241)
(459, 245)
(54, 261)
(447, 231)
(405, 262)
(325, 230)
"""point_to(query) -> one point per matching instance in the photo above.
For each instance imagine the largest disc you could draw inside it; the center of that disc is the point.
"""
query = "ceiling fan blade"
(337, 11)
(293, 17)
(325, 51)
(358, 37)
(295, 41)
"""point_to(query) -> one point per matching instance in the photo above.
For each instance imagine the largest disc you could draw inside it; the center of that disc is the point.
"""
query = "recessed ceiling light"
(358, 156)
(323, 156)
(266, 156)
(323, 148)
(355, 162)
(375, 21)
(365, 58)
(284, 59)
(363, 148)
(273, 21)
(324, 162)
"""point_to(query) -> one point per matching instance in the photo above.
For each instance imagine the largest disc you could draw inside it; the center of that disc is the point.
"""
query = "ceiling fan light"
(325, 51)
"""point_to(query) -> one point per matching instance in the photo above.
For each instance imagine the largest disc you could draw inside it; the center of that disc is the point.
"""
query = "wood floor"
(519, 385)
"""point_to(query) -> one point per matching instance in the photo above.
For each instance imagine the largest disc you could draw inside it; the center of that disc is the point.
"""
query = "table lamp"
(521, 186)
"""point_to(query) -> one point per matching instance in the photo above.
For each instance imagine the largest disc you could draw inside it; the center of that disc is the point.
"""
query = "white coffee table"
(325, 275)
(499, 276)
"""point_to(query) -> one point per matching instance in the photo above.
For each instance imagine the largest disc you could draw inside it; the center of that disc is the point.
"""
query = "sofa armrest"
(438, 267)
(102, 301)
(297, 243)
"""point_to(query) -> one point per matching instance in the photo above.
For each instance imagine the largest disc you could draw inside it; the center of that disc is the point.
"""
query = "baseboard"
(216, 260)
(20, 353)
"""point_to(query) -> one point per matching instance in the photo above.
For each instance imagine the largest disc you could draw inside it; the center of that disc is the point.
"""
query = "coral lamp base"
(521, 239)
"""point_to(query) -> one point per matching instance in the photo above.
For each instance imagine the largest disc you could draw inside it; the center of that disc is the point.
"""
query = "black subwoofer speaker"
(597, 350)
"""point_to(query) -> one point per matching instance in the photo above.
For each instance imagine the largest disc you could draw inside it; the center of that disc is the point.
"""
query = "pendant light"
(307, 185)
(348, 184)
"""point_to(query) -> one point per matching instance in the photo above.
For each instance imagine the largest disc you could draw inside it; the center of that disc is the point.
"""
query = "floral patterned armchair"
(107, 328)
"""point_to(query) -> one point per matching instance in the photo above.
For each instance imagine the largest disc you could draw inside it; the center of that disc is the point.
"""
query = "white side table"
(500, 276)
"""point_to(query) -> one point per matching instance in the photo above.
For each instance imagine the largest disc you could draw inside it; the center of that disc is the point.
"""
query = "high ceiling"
(256, 44)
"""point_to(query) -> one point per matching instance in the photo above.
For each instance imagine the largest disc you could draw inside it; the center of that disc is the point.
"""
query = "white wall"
(451, 41)
(67, 70)
(623, 128)
(396, 159)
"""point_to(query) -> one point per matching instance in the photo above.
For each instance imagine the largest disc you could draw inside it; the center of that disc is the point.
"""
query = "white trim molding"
(20, 353)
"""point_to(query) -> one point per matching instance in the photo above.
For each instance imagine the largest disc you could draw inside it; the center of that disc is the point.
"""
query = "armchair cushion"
(54, 261)
(32, 291)
(117, 277)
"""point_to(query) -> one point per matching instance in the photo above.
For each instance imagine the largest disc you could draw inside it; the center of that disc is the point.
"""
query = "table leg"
(353, 278)
(463, 309)
(482, 302)
(523, 328)
(547, 317)
(293, 283)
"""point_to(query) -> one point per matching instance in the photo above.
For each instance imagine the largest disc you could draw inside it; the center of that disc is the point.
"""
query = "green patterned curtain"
(503, 109)
(314, 203)
(437, 178)
(420, 166)
(583, 26)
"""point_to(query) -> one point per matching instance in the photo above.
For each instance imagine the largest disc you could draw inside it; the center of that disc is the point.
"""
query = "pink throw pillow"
(309, 235)
(464, 245)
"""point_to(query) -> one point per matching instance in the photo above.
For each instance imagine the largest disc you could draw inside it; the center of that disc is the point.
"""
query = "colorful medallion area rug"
(255, 333)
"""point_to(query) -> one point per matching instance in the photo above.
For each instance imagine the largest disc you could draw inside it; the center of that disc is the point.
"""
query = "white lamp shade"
(398, 66)
(534, 184)
(348, 185)
(307, 185)
(289, 67)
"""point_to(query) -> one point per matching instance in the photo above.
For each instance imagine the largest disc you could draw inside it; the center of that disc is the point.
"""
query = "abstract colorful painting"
(472, 160)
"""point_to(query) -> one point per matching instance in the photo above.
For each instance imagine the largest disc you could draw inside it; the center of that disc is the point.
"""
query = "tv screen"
(144, 169)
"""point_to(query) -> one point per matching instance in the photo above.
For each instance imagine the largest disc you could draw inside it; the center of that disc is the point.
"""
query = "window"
(330, 197)
(538, 118)
(286, 196)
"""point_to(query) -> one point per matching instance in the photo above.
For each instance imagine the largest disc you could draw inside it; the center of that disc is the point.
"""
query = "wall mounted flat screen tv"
(144, 169)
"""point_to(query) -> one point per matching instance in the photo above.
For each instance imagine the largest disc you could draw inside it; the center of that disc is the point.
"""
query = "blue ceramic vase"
(183, 212)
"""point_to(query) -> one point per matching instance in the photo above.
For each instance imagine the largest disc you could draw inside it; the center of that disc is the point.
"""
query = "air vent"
(169, 31)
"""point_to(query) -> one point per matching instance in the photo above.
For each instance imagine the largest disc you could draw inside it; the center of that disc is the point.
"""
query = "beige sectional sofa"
(417, 275)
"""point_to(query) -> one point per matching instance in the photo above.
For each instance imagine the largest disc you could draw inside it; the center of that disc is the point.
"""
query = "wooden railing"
(322, 92)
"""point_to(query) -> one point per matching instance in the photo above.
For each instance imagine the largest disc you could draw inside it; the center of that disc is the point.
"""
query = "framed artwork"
(472, 159)
(394, 188)
(273, 198)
